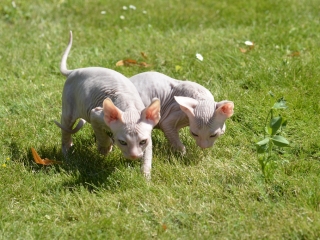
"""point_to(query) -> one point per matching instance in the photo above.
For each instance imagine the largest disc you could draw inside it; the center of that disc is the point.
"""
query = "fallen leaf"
(120, 63)
(126, 62)
(41, 161)
(144, 64)
(131, 62)
(294, 54)
(243, 50)
(144, 55)
(249, 47)
(164, 227)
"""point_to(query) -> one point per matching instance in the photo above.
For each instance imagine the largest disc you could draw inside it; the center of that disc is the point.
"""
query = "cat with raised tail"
(184, 103)
(109, 102)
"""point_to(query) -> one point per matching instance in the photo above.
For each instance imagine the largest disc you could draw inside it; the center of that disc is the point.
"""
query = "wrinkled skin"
(184, 103)
(110, 102)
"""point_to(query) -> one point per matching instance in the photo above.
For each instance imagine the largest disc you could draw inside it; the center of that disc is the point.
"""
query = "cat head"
(206, 118)
(131, 129)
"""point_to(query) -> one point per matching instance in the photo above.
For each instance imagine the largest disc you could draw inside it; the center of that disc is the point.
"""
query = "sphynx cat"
(110, 102)
(184, 103)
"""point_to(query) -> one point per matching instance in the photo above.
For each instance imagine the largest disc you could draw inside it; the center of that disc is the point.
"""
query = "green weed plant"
(274, 126)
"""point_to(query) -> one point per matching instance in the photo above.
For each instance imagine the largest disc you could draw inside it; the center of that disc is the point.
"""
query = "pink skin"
(110, 102)
(180, 101)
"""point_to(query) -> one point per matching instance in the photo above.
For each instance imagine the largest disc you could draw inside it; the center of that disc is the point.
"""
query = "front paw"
(105, 150)
(147, 176)
(146, 171)
(183, 150)
(180, 149)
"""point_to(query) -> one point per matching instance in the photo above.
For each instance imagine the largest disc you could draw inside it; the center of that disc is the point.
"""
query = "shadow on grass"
(87, 167)
(91, 170)
(193, 155)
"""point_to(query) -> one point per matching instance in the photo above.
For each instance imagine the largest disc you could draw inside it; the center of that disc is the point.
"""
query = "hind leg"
(66, 139)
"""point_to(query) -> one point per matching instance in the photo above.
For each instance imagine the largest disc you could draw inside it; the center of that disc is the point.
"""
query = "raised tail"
(72, 131)
(63, 64)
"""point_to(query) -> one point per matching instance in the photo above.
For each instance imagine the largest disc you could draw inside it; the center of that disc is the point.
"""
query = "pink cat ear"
(111, 112)
(152, 112)
(225, 108)
(187, 104)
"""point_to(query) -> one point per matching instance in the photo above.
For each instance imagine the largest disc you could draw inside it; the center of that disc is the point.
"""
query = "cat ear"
(187, 104)
(111, 112)
(225, 108)
(151, 114)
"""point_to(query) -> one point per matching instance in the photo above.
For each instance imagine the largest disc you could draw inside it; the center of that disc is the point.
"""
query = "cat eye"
(213, 135)
(122, 142)
(194, 134)
(143, 142)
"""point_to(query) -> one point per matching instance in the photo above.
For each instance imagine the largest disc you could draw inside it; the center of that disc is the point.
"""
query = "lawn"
(216, 193)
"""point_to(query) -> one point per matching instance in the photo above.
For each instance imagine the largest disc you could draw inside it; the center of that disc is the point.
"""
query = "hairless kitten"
(184, 103)
(110, 102)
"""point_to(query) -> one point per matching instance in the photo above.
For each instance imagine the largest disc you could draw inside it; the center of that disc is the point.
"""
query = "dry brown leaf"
(120, 63)
(128, 62)
(41, 161)
(294, 54)
(164, 227)
(144, 55)
(243, 50)
(131, 62)
(144, 64)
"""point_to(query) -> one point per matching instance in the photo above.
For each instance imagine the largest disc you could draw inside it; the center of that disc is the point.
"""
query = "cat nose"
(135, 156)
(204, 145)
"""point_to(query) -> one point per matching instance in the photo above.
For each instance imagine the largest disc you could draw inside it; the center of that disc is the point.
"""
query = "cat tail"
(72, 131)
(63, 64)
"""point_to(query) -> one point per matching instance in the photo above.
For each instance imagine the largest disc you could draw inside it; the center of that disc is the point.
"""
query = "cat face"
(131, 129)
(134, 140)
(207, 135)
(206, 119)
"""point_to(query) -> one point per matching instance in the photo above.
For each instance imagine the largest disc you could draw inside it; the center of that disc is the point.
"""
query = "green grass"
(218, 193)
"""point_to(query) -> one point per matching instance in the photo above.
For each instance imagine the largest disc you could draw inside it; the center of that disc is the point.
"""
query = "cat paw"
(147, 176)
(180, 149)
(183, 151)
(105, 150)
(66, 147)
